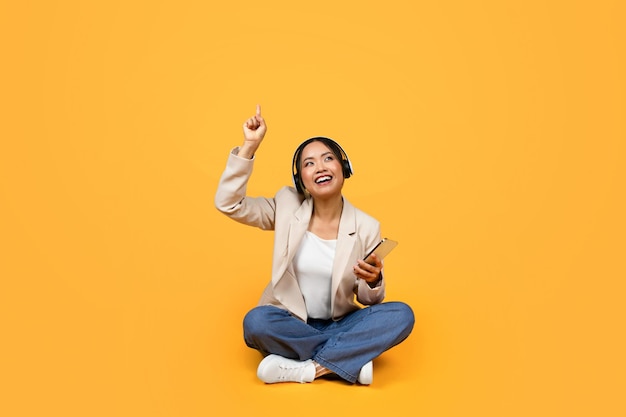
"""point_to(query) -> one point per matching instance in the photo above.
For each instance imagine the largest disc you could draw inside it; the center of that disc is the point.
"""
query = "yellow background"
(488, 137)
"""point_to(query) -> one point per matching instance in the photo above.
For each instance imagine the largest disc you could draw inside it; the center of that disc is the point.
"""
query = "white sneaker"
(275, 368)
(366, 376)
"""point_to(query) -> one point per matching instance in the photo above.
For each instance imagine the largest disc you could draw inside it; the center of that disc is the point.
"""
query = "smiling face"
(321, 170)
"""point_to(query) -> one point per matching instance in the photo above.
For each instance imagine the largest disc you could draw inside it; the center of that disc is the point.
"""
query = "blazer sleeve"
(367, 295)
(231, 198)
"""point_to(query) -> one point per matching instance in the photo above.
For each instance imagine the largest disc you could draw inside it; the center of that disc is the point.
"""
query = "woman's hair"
(334, 147)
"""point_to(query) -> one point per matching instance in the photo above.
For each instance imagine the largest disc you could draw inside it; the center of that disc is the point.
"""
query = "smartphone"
(382, 248)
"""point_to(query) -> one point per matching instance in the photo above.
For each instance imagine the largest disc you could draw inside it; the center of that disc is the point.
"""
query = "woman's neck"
(325, 218)
(328, 209)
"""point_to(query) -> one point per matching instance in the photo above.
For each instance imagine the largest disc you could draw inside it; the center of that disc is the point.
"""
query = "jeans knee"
(253, 322)
(404, 315)
(258, 321)
(407, 313)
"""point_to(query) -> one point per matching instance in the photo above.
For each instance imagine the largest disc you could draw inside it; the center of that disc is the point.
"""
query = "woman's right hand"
(253, 132)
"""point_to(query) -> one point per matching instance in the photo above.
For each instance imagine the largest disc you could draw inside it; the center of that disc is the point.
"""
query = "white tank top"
(313, 264)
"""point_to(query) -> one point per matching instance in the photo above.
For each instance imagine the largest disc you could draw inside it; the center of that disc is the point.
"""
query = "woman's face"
(321, 171)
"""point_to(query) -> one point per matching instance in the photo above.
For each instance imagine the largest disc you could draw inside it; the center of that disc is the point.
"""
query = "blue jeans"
(342, 346)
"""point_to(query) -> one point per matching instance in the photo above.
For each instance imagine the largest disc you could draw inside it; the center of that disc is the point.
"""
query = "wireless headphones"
(335, 148)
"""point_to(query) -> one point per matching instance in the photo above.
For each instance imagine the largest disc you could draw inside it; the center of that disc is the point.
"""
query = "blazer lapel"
(297, 228)
(346, 239)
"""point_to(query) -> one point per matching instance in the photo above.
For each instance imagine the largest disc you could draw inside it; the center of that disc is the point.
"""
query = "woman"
(307, 323)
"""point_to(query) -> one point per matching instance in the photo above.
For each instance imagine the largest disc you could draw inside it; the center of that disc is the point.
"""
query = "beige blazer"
(288, 214)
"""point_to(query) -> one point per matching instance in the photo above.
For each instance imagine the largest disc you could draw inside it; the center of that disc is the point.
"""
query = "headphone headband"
(333, 146)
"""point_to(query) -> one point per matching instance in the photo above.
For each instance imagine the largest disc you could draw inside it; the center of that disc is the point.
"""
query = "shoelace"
(290, 372)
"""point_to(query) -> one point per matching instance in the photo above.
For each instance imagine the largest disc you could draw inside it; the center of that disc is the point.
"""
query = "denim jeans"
(342, 346)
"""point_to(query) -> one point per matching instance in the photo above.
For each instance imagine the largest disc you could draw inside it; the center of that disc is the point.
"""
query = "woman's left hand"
(369, 271)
